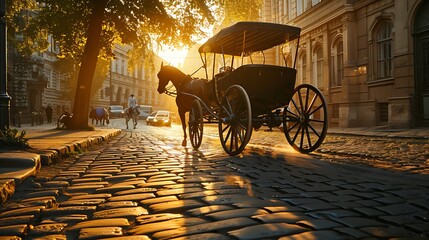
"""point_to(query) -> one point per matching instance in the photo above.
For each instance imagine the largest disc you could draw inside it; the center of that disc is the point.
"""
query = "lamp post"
(4, 97)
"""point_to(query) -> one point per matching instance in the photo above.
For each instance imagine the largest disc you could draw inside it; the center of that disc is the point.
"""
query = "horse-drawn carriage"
(252, 95)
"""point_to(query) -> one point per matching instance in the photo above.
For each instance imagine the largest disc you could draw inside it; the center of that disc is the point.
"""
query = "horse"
(132, 113)
(99, 114)
(183, 84)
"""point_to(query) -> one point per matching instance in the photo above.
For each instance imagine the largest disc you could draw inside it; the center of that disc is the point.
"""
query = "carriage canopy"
(248, 37)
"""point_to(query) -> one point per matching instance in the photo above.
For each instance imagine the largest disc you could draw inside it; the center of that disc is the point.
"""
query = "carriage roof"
(248, 37)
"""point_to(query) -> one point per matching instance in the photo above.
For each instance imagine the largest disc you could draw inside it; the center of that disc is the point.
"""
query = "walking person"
(48, 111)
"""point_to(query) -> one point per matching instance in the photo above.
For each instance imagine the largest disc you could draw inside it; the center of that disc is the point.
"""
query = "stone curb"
(16, 166)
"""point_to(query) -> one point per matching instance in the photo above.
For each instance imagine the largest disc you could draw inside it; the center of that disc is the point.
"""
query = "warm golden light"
(174, 57)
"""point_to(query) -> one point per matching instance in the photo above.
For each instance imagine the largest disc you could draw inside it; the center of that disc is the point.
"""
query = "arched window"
(384, 50)
(337, 64)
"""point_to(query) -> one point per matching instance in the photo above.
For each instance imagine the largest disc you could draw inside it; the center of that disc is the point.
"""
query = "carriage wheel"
(196, 124)
(235, 120)
(305, 120)
(62, 120)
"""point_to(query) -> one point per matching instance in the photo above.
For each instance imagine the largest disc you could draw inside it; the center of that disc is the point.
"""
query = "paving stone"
(147, 228)
(124, 212)
(48, 228)
(420, 227)
(399, 209)
(113, 222)
(319, 224)
(286, 217)
(159, 200)
(175, 206)
(204, 228)
(204, 236)
(201, 194)
(98, 232)
(208, 209)
(61, 211)
(388, 232)
(178, 191)
(371, 212)
(86, 196)
(13, 230)
(71, 219)
(114, 188)
(51, 237)
(132, 197)
(103, 183)
(44, 193)
(136, 190)
(267, 230)
(16, 220)
(235, 213)
(352, 232)
(56, 184)
(120, 177)
(83, 188)
(150, 218)
(225, 199)
(260, 203)
(390, 200)
(87, 180)
(134, 237)
(22, 211)
(83, 202)
(358, 222)
(317, 206)
(157, 184)
(324, 234)
(283, 209)
(116, 204)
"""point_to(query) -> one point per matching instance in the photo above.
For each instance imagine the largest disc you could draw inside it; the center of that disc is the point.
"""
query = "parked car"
(150, 118)
(116, 111)
(159, 118)
(145, 111)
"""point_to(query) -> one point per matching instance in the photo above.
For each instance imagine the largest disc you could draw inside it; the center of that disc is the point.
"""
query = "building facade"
(370, 58)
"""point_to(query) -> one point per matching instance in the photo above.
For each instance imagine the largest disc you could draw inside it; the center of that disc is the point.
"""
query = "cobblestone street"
(144, 185)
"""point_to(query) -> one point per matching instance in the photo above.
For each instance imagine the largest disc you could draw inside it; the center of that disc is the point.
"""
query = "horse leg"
(126, 121)
(183, 120)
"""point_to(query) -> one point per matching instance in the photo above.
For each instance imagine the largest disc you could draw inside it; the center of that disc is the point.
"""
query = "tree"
(86, 29)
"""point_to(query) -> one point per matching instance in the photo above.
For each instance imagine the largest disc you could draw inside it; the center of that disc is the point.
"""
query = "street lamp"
(4, 97)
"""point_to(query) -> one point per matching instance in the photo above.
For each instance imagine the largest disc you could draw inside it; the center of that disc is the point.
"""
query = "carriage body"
(246, 96)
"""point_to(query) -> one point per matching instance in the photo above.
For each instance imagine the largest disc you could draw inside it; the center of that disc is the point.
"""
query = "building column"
(4, 97)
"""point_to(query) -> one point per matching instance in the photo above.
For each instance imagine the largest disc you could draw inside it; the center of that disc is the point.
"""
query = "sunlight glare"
(174, 57)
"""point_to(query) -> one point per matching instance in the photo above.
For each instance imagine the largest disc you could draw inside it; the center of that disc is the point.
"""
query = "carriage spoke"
(308, 137)
(313, 100)
(302, 137)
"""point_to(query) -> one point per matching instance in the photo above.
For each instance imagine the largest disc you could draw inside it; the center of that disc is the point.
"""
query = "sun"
(172, 56)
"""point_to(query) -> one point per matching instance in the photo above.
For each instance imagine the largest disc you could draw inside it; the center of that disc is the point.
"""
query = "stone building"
(122, 83)
(369, 57)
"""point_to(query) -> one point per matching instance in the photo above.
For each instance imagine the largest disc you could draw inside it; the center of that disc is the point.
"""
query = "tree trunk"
(87, 69)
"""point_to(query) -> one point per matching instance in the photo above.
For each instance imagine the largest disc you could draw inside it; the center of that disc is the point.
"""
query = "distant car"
(150, 118)
(159, 118)
(145, 111)
(116, 111)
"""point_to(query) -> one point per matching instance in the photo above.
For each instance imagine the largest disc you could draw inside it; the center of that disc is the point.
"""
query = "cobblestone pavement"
(143, 185)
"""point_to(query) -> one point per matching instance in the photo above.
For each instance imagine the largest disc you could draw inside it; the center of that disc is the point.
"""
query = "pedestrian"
(132, 102)
(48, 111)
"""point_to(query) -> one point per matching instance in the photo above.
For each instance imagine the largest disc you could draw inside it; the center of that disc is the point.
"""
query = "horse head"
(167, 74)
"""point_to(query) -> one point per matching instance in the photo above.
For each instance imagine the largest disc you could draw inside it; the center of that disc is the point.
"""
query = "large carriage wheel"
(196, 124)
(235, 120)
(305, 120)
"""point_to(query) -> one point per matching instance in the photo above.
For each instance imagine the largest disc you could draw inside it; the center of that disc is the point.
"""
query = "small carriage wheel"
(305, 121)
(235, 120)
(196, 124)
(62, 119)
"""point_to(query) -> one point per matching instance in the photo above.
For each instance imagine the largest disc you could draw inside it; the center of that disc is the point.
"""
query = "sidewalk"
(47, 143)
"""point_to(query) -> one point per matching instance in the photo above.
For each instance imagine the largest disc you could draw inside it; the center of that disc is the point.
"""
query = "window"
(337, 67)
(314, 2)
(302, 69)
(383, 112)
(384, 50)
(300, 6)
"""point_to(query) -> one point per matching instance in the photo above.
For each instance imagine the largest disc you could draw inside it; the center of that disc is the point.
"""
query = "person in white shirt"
(132, 102)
